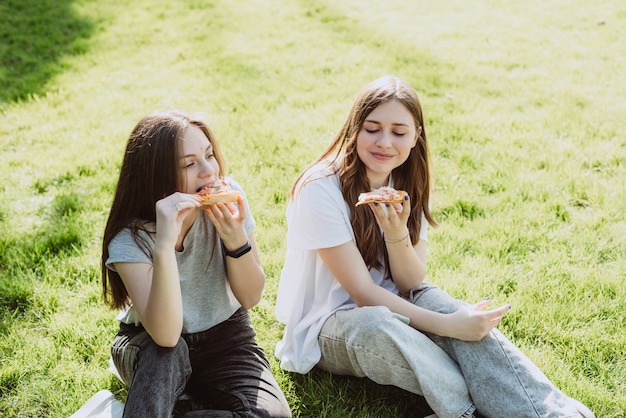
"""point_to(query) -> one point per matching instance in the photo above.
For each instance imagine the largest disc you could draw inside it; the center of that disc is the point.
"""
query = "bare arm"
(470, 324)
(156, 296)
(245, 274)
(155, 290)
(407, 262)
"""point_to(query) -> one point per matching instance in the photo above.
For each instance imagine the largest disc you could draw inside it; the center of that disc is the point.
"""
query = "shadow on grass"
(35, 35)
(29, 256)
(322, 394)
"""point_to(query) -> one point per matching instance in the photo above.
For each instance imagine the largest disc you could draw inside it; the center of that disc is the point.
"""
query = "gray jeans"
(455, 377)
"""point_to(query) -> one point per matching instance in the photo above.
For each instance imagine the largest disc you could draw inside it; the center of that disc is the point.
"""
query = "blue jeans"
(455, 377)
(222, 367)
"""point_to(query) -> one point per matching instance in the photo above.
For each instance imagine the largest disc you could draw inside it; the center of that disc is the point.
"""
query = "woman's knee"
(166, 357)
(434, 299)
(142, 353)
(368, 324)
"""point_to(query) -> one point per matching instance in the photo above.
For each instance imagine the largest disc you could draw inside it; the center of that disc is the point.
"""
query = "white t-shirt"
(308, 293)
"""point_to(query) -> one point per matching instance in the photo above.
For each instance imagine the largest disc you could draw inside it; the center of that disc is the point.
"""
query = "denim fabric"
(502, 381)
(222, 367)
(377, 343)
(455, 377)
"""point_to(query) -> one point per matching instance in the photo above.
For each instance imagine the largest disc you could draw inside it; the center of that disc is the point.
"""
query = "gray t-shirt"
(207, 297)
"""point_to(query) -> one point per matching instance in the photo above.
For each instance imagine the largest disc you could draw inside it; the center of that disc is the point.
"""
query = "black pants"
(222, 367)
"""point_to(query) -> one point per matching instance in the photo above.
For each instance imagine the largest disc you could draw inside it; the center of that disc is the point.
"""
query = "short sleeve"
(318, 217)
(124, 249)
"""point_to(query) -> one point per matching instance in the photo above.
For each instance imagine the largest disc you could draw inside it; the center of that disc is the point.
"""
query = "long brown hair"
(149, 172)
(412, 176)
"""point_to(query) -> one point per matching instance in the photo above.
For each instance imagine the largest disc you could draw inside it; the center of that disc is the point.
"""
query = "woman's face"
(198, 166)
(385, 140)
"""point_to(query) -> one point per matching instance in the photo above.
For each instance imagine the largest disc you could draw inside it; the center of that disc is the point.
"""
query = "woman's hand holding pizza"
(170, 212)
(391, 209)
(392, 218)
(228, 221)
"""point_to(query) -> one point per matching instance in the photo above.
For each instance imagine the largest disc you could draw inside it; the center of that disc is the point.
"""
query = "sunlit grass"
(524, 106)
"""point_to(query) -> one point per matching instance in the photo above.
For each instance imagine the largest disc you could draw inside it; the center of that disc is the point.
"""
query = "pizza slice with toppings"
(218, 192)
(384, 194)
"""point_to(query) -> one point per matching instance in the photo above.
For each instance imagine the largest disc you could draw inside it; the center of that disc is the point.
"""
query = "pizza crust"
(384, 194)
(218, 192)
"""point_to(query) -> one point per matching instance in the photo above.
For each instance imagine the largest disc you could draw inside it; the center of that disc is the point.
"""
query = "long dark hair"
(412, 176)
(150, 172)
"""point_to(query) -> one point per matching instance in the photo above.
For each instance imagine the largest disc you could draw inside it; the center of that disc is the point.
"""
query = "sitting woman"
(352, 291)
(184, 276)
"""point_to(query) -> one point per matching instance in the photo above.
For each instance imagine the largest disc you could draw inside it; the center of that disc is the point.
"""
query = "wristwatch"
(244, 249)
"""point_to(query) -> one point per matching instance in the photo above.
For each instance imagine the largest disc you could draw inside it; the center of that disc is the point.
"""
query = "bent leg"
(501, 379)
(378, 344)
(155, 375)
(232, 375)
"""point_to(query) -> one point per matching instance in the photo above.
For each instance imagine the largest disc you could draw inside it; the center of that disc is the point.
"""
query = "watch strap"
(244, 249)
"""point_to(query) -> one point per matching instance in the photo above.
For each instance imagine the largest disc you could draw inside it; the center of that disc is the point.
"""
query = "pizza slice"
(384, 194)
(218, 192)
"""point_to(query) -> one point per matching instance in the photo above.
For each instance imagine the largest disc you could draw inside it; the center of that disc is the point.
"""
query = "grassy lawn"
(525, 103)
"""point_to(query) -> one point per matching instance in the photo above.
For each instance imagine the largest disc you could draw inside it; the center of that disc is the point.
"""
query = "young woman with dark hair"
(184, 277)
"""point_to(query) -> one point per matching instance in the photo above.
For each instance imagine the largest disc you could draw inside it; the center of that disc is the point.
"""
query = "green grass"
(524, 103)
